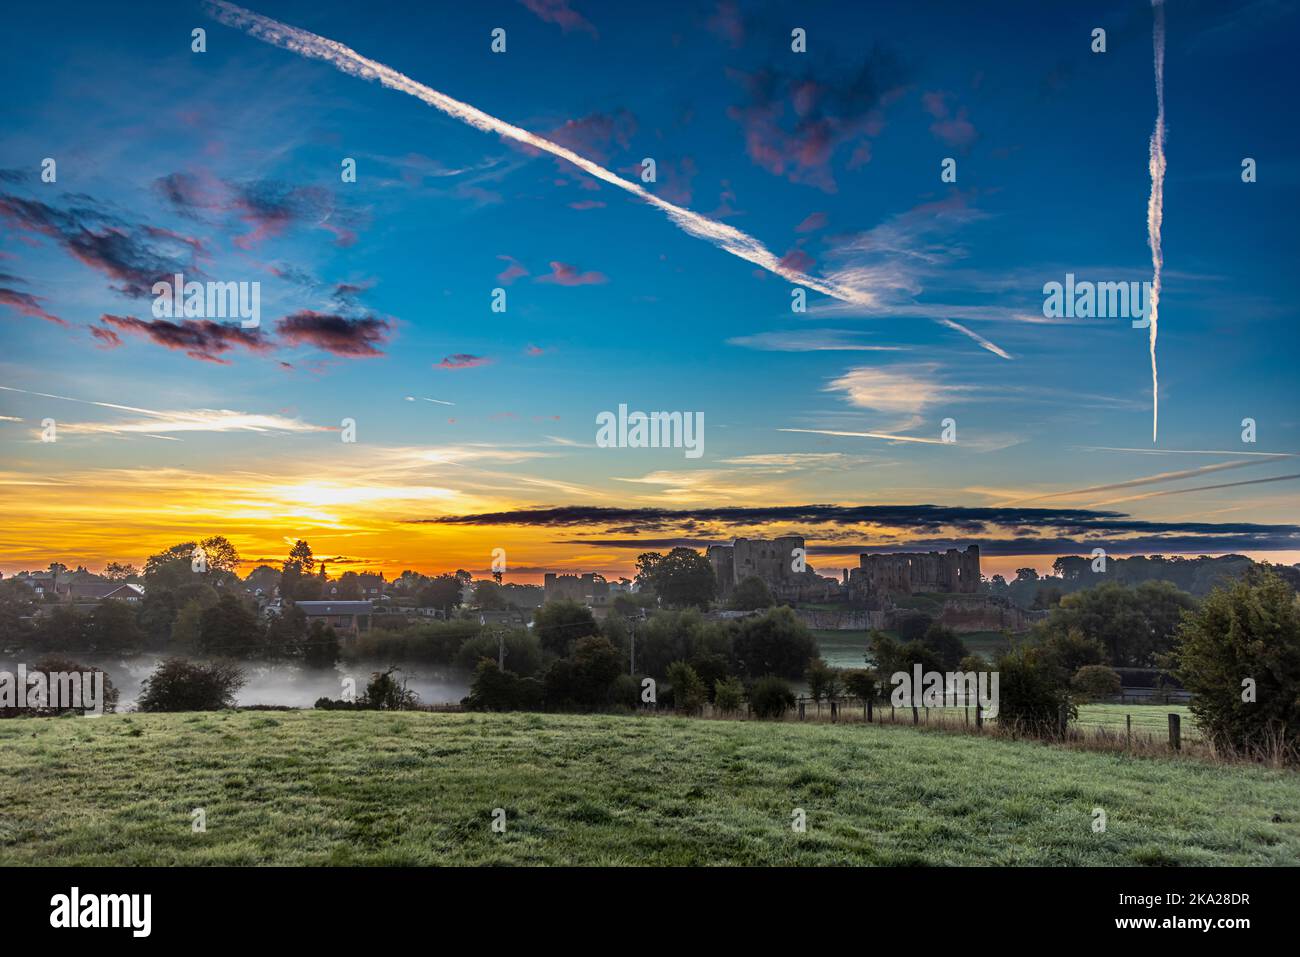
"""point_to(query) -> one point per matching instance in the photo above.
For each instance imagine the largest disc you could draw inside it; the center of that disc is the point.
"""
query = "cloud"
(462, 360)
(984, 343)
(200, 339)
(953, 129)
(794, 124)
(808, 340)
(728, 23)
(108, 339)
(1061, 530)
(909, 388)
(562, 274)
(337, 334)
(511, 272)
(560, 13)
(28, 305)
(133, 255)
(811, 223)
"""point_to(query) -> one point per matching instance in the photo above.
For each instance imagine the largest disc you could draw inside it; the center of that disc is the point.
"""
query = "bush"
(55, 664)
(180, 685)
(860, 683)
(771, 697)
(1094, 682)
(385, 693)
(1248, 631)
(728, 694)
(751, 595)
(823, 680)
(689, 693)
(584, 682)
(435, 642)
(1031, 700)
(321, 647)
(497, 690)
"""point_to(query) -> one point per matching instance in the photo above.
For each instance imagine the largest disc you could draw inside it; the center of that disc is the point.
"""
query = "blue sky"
(831, 158)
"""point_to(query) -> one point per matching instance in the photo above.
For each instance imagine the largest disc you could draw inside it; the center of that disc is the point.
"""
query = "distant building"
(780, 563)
(590, 589)
(345, 617)
(911, 573)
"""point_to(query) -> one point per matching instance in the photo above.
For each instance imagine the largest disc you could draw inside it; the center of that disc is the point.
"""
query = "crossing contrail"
(349, 61)
(1156, 205)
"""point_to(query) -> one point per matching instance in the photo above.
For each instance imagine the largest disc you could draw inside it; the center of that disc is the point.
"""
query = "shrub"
(51, 665)
(751, 595)
(1093, 682)
(1248, 631)
(689, 693)
(728, 694)
(860, 683)
(558, 624)
(497, 690)
(321, 648)
(1031, 700)
(944, 642)
(180, 685)
(771, 697)
(385, 693)
(585, 681)
(823, 680)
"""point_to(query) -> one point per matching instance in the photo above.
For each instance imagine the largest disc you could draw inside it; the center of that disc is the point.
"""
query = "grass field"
(846, 649)
(311, 787)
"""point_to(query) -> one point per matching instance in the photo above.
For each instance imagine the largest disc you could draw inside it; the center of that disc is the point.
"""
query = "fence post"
(834, 711)
(1175, 732)
(979, 716)
(868, 711)
(802, 705)
(1128, 722)
(916, 715)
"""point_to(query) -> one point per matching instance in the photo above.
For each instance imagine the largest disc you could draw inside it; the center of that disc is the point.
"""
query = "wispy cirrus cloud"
(563, 274)
(28, 305)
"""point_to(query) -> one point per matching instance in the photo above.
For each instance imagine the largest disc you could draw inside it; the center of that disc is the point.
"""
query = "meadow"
(313, 787)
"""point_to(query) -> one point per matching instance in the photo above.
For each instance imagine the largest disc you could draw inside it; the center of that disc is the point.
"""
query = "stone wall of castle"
(907, 573)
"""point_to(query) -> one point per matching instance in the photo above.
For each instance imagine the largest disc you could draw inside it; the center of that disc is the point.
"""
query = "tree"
(586, 680)
(558, 624)
(489, 597)
(116, 572)
(1134, 625)
(220, 555)
(751, 595)
(945, 644)
(495, 690)
(180, 685)
(228, 628)
(321, 648)
(1239, 655)
(689, 693)
(860, 683)
(443, 592)
(301, 555)
(728, 694)
(823, 680)
(912, 625)
(683, 578)
(776, 643)
(112, 627)
(1094, 682)
(386, 693)
(185, 630)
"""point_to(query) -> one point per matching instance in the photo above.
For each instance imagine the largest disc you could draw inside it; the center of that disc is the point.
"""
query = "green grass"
(1147, 718)
(317, 787)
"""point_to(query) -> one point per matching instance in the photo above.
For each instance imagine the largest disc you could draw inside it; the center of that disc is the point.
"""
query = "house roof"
(100, 590)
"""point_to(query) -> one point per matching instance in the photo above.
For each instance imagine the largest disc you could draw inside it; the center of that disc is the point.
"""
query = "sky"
(476, 429)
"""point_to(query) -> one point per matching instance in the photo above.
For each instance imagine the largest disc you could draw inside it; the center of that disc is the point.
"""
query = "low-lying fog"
(283, 683)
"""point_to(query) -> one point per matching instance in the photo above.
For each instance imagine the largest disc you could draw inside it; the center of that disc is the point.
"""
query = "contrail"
(349, 61)
(1156, 205)
(996, 350)
(871, 435)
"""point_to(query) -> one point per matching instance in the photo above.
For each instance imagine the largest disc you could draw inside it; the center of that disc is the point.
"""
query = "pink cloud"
(811, 223)
(562, 274)
(511, 272)
(560, 13)
(954, 130)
